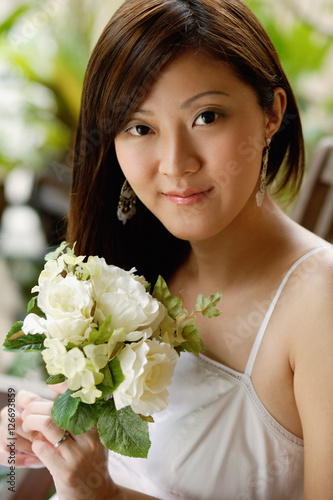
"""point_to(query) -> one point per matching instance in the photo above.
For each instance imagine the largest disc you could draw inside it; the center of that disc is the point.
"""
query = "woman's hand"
(15, 443)
(78, 465)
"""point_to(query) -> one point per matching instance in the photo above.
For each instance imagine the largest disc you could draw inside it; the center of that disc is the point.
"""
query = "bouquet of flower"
(117, 345)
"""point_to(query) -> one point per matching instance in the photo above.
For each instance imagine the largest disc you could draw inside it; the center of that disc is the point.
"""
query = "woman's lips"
(187, 197)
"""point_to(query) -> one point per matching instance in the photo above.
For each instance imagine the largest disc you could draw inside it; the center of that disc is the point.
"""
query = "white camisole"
(216, 440)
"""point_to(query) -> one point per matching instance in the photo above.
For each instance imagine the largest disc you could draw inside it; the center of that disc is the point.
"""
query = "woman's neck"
(242, 250)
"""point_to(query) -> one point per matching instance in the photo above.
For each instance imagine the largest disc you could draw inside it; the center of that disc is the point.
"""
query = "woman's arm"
(78, 466)
(313, 383)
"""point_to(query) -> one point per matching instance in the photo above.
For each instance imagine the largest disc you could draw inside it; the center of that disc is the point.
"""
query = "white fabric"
(215, 441)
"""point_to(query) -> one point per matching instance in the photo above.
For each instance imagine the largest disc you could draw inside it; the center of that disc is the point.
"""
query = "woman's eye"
(206, 118)
(139, 130)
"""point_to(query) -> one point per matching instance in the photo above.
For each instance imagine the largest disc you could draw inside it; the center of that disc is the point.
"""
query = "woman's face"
(192, 151)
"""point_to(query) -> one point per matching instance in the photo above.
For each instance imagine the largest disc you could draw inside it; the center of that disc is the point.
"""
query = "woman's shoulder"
(310, 286)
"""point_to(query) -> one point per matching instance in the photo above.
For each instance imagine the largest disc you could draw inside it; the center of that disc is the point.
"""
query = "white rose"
(122, 296)
(148, 368)
(66, 329)
(68, 297)
(67, 305)
(120, 336)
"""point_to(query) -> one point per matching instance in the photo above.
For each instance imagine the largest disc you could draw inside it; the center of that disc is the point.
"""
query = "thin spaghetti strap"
(262, 329)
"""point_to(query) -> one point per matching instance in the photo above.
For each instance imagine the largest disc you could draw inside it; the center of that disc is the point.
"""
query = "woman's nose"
(179, 155)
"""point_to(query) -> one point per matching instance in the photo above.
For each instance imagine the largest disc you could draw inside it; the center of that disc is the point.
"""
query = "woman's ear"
(274, 116)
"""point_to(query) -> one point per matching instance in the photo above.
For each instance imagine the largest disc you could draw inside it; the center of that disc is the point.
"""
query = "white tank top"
(216, 440)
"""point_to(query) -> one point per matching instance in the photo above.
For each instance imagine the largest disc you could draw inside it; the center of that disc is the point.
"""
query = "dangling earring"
(262, 187)
(126, 205)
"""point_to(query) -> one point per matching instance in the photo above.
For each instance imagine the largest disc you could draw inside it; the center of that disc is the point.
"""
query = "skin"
(192, 154)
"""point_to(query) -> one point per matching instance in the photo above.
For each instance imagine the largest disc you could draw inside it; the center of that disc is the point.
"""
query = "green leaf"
(14, 17)
(193, 342)
(93, 336)
(104, 331)
(64, 408)
(172, 303)
(83, 419)
(116, 373)
(102, 334)
(55, 379)
(113, 377)
(207, 305)
(16, 340)
(106, 390)
(71, 345)
(123, 431)
(16, 328)
(32, 303)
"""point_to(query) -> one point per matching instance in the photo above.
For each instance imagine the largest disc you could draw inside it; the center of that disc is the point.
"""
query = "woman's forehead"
(192, 73)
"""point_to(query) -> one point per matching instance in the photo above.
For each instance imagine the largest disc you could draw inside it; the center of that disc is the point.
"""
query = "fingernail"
(30, 461)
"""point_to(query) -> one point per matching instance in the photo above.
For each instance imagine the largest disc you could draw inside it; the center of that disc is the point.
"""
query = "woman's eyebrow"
(144, 111)
(189, 101)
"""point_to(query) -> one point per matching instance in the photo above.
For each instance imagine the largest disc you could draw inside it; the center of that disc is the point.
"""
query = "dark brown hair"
(138, 41)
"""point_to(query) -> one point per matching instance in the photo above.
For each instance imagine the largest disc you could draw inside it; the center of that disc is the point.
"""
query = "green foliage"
(83, 419)
(304, 50)
(32, 303)
(17, 341)
(193, 342)
(207, 305)
(55, 379)
(46, 59)
(12, 19)
(102, 334)
(123, 431)
(172, 303)
(113, 377)
(64, 409)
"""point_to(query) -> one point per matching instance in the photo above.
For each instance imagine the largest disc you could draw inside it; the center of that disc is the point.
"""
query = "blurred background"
(44, 50)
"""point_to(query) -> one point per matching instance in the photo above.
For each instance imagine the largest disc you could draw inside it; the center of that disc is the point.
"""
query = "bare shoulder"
(311, 358)
(310, 288)
(311, 283)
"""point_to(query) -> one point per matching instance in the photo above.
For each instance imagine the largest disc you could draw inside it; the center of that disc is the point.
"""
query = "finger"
(50, 457)
(23, 398)
(59, 388)
(22, 445)
(37, 407)
(15, 432)
(19, 459)
(43, 428)
(20, 433)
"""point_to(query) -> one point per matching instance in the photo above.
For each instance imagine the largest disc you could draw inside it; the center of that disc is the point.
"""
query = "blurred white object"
(10, 302)
(21, 234)
(18, 186)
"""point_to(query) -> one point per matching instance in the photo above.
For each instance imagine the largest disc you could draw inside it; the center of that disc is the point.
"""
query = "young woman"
(188, 118)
